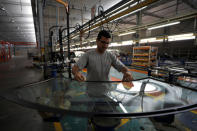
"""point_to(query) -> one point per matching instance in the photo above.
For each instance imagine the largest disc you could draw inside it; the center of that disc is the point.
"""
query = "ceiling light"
(164, 25)
(182, 35)
(150, 40)
(92, 40)
(114, 44)
(124, 43)
(126, 33)
(130, 13)
(12, 20)
(188, 36)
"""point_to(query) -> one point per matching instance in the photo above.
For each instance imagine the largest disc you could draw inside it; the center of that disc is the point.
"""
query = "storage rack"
(145, 56)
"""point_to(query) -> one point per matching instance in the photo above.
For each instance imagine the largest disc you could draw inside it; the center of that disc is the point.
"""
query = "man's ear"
(97, 41)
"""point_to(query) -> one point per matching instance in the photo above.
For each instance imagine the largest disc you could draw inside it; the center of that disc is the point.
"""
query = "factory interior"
(42, 40)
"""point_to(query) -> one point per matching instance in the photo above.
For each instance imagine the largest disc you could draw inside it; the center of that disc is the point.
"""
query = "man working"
(99, 62)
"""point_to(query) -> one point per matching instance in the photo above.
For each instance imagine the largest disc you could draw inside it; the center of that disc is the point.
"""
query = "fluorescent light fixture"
(85, 42)
(12, 20)
(92, 40)
(91, 47)
(181, 35)
(126, 4)
(164, 25)
(187, 36)
(122, 34)
(150, 40)
(130, 13)
(114, 44)
(124, 43)
(118, 9)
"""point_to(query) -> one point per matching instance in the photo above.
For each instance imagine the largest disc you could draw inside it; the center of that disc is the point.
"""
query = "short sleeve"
(116, 63)
(82, 62)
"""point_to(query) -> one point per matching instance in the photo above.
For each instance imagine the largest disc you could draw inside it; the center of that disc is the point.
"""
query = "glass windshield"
(147, 95)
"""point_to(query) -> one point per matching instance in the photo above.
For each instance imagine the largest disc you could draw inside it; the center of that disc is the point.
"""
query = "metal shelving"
(144, 56)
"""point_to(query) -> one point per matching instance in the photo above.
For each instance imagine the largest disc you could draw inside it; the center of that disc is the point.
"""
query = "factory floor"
(16, 72)
(13, 117)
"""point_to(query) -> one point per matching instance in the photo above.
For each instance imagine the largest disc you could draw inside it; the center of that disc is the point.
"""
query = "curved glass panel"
(147, 95)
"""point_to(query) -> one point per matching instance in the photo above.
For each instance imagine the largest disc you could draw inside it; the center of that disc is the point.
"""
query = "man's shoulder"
(90, 51)
(109, 53)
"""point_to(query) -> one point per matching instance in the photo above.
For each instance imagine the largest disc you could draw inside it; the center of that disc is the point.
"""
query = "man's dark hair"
(103, 33)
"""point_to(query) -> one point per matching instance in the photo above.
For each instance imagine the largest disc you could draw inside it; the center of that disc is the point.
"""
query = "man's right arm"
(81, 63)
(77, 74)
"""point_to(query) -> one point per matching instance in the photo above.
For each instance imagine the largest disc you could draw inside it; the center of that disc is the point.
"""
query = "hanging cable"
(100, 13)
(88, 31)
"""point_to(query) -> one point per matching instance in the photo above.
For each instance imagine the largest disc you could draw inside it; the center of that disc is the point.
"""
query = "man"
(99, 62)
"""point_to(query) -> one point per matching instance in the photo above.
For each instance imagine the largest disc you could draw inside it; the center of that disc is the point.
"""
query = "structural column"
(41, 28)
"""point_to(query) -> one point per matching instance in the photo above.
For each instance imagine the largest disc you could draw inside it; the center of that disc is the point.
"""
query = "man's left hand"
(127, 80)
(127, 77)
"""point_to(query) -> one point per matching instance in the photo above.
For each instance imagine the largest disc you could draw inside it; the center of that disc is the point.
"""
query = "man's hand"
(127, 77)
(127, 80)
(79, 77)
(77, 74)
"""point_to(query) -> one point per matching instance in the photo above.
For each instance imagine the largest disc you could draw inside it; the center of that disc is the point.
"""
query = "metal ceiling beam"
(18, 31)
(15, 3)
(16, 15)
(153, 15)
(16, 22)
(107, 11)
(191, 4)
(128, 22)
(14, 27)
(41, 26)
(127, 11)
(71, 8)
(62, 17)
(177, 18)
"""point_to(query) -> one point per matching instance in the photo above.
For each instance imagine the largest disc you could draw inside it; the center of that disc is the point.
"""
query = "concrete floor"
(18, 72)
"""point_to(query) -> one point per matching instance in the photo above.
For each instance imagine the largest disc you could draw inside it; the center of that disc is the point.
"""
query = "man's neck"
(97, 50)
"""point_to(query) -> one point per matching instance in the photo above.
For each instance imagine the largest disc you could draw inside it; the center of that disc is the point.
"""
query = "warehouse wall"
(23, 50)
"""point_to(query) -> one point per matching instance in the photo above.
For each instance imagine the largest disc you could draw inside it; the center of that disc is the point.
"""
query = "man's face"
(102, 44)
